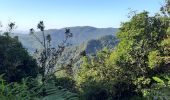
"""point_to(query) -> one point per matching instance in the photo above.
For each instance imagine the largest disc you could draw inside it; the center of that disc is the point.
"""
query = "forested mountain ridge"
(80, 34)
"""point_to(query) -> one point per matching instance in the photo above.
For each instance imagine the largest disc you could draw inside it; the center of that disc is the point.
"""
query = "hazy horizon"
(58, 14)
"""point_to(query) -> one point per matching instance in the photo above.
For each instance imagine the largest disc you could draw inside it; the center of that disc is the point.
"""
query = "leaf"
(157, 79)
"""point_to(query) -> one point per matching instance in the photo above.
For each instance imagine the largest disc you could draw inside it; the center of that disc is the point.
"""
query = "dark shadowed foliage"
(15, 62)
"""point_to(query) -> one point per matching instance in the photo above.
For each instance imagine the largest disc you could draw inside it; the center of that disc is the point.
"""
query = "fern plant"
(15, 91)
(54, 92)
(160, 90)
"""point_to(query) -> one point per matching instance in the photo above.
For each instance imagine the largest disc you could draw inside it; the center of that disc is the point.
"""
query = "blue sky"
(65, 13)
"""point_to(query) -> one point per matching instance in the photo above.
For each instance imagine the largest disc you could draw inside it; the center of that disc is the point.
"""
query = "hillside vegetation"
(134, 64)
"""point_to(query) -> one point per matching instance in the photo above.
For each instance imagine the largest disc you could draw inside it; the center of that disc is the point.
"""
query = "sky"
(65, 13)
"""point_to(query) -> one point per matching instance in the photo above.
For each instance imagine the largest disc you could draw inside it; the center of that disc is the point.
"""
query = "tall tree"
(143, 51)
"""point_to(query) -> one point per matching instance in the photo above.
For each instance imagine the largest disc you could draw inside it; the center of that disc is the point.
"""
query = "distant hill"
(80, 34)
(94, 45)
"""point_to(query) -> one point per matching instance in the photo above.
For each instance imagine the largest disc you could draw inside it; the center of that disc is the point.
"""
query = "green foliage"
(57, 93)
(154, 59)
(15, 91)
(165, 46)
(95, 79)
(15, 61)
(158, 80)
(139, 53)
(138, 38)
(156, 94)
(160, 90)
(30, 91)
(130, 70)
(66, 83)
